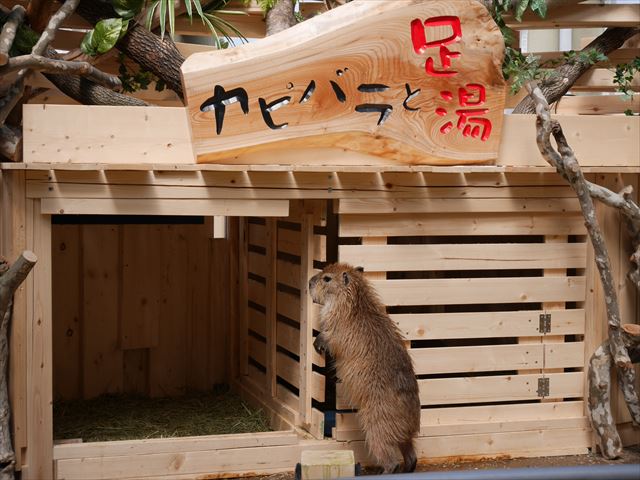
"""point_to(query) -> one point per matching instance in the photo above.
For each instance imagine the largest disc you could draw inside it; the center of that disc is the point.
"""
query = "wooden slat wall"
(276, 249)
(465, 279)
(138, 309)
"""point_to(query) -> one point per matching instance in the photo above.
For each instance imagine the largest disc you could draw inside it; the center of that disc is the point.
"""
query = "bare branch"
(567, 165)
(280, 17)
(11, 96)
(10, 143)
(51, 65)
(14, 276)
(9, 30)
(564, 76)
(54, 23)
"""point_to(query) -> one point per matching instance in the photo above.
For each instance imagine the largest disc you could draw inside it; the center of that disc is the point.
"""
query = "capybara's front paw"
(320, 345)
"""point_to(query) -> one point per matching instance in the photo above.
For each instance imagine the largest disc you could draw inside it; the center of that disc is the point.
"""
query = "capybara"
(371, 362)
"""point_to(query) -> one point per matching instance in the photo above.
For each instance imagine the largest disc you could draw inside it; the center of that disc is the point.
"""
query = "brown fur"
(371, 361)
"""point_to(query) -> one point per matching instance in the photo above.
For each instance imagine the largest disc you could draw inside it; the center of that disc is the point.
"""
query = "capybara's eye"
(326, 278)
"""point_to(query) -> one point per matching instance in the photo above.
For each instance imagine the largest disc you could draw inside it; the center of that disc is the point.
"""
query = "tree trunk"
(562, 78)
(10, 280)
(160, 57)
(280, 17)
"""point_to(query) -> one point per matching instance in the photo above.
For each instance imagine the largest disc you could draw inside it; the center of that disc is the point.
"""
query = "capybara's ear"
(359, 269)
(345, 278)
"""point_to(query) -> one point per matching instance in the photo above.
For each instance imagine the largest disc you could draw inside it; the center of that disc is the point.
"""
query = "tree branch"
(564, 76)
(39, 63)
(14, 276)
(9, 29)
(160, 57)
(280, 17)
(10, 143)
(55, 21)
(567, 165)
(38, 13)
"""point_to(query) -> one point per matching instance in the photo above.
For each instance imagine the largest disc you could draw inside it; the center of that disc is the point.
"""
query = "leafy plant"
(107, 32)
(134, 80)
(622, 78)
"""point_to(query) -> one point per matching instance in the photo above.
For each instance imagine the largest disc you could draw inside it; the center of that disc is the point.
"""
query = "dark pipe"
(594, 472)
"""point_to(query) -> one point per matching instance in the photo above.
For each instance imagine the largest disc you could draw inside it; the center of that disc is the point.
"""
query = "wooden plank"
(142, 266)
(124, 137)
(437, 205)
(485, 256)
(257, 292)
(580, 16)
(257, 264)
(288, 273)
(39, 456)
(50, 126)
(121, 206)
(289, 339)
(432, 326)
(501, 388)
(257, 322)
(243, 295)
(181, 287)
(135, 371)
(601, 79)
(400, 138)
(271, 303)
(480, 419)
(488, 358)
(13, 241)
(257, 235)
(288, 305)
(258, 350)
(463, 291)
(67, 311)
(291, 400)
(102, 359)
(460, 224)
(289, 370)
(597, 104)
(306, 374)
(174, 445)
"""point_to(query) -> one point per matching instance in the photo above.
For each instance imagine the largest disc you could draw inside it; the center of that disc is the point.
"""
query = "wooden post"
(271, 256)
(234, 310)
(40, 355)
(14, 241)
(243, 295)
(306, 322)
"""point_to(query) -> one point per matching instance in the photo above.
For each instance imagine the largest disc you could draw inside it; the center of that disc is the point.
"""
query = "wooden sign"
(412, 80)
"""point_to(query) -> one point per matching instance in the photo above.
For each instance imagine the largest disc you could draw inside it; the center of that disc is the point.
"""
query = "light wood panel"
(485, 256)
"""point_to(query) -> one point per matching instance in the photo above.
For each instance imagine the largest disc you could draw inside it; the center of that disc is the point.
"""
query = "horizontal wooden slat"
(491, 358)
(480, 419)
(433, 326)
(121, 206)
(598, 104)
(289, 370)
(258, 350)
(490, 256)
(175, 445)
(463, 291)
(288, 305)
(288, 337)
(495, 388)
(440, 205)
(460, 224)
(580, 16)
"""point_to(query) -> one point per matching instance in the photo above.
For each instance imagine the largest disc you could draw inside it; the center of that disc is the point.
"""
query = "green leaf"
(127, 8)
(150, 12)
(163, 14)
(106, 33)
(125, 27)
(521, 8)
(172, 19)
(87, 44)
(539, 7)
(187, 4)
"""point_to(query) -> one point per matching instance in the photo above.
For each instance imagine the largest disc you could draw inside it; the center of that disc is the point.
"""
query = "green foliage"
(132, 81)
(623, 77)
(104, 36)
(265, 5)
(127, 8)
(519, 69)
(24, 41)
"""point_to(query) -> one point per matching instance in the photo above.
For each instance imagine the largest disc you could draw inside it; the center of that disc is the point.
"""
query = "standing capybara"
(371, 361)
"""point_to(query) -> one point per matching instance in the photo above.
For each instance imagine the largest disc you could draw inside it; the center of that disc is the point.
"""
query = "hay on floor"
(127, 417)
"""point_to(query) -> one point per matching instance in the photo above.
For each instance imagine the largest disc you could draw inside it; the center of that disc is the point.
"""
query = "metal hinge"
(545, 323)
(543, 387)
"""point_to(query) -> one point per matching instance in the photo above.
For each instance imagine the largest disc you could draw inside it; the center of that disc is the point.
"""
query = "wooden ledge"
(154, 167)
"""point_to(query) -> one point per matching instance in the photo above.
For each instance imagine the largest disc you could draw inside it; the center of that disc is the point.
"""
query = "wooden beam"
(79, 206)
(39, 456)
(306, 321)
(580, 16)
(597, 104)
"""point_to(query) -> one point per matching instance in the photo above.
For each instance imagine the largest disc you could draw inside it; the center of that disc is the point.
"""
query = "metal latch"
(545, 323)
(543, 387)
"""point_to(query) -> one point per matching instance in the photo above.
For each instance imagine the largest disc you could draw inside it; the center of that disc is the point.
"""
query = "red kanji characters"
(420, 43)
(468, 117)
